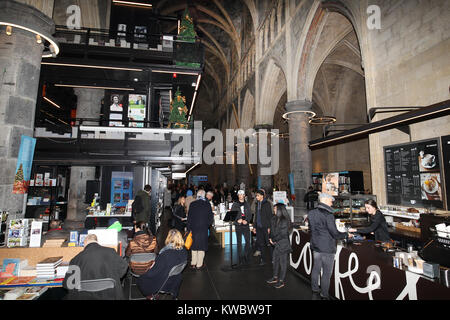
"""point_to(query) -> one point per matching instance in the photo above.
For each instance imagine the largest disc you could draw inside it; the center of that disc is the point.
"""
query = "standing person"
(310, 198)
(263, 216)
(168, 197)
(179, 214)
(209, 197)
(378, 223)
(96, 262)
(142, 206)
(280, 229)
(200, 218)
(242, 226)
(189, 199)
(324, 234)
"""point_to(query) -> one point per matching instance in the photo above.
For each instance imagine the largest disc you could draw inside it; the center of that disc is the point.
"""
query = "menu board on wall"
(413, 174)
(446, 166)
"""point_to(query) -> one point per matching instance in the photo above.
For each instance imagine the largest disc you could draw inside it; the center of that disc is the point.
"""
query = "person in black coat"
(242, 226)
(263, 216)
(96, 262)
(324, 234)
(172, 254)
(378, 223)
(280, 229)
(179, 215)
(200, 218)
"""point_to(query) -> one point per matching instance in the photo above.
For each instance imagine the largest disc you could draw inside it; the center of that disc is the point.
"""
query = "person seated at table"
(96, 262)
(171, 255)
(142, 242)
(378, 223)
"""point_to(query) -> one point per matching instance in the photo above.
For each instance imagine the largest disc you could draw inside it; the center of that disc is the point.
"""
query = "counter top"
(364, 271)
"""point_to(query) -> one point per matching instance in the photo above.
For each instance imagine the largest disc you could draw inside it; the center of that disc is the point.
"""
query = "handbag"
(188, 241)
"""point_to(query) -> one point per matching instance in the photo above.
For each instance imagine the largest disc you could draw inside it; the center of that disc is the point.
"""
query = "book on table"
(49, 262)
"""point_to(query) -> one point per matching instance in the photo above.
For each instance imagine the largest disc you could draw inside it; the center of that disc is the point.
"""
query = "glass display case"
(350, 208)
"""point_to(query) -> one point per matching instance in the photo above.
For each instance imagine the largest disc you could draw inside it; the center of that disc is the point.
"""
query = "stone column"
(266, 180)
(300, 154)
(76, 208)
(20, 65)
(88, 106)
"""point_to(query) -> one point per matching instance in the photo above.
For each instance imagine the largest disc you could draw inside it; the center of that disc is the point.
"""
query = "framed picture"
(137, 104)
(116, 103)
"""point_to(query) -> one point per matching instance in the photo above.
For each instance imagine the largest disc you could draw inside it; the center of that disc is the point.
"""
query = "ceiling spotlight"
(136, 79)
(194, 84)
(8, 30)
(38, 39)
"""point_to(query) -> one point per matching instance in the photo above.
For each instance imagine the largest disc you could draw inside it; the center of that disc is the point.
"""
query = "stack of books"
(46, 269)
(61, 270)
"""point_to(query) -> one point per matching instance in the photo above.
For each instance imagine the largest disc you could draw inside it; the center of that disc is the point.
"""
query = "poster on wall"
(330, 183)
(413, 174)
(24, 163)
(121, 188)
(115, 110)
(137, 104)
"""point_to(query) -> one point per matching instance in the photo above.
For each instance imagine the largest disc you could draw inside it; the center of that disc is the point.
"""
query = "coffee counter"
(363, 271)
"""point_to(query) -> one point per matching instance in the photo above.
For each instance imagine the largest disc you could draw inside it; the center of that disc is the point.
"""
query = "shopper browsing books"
(96, 262)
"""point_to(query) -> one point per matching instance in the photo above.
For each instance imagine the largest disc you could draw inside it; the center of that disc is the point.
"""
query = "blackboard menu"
(413, 175)
(446, 166)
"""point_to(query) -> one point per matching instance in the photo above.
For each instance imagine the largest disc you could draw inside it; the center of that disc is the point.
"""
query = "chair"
(97, 285)
(139, 258)
(176, 270)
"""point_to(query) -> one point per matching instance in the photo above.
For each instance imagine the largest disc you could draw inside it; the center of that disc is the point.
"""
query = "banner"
(24, 163)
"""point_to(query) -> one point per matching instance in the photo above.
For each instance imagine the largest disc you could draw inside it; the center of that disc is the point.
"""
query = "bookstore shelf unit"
(47, 193)
(350, 182)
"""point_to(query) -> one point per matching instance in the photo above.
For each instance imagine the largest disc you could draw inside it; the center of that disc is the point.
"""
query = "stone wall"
(408, 65)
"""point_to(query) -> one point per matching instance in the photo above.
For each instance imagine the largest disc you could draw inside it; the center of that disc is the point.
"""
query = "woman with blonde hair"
(172, 254)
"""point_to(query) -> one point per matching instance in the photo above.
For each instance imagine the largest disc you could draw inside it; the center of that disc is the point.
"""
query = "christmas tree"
(187, 32)
(178, 111)
(20, 186)
(187, 52)
(19, 174)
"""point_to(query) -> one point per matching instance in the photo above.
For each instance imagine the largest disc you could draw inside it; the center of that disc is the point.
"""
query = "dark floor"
(248, 283)
(213, 283)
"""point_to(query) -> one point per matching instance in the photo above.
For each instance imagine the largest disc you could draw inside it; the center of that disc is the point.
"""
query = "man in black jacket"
(242, 226)
(96, 262)
(324, 234)
(263, 216)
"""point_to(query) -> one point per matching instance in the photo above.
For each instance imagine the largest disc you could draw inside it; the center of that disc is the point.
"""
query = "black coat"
(378, 226)
(279, 233)
(98, 262)
(200, 217)
(266, 214)
(151, 281)
(247, 214)
(324, 232)
(178, 213)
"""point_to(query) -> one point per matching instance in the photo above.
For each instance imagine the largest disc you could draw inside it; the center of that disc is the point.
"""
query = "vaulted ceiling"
(226, 29)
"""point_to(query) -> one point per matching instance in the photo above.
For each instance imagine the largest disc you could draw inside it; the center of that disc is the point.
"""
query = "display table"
(35, 255)
(363, 271)
(102, 220)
